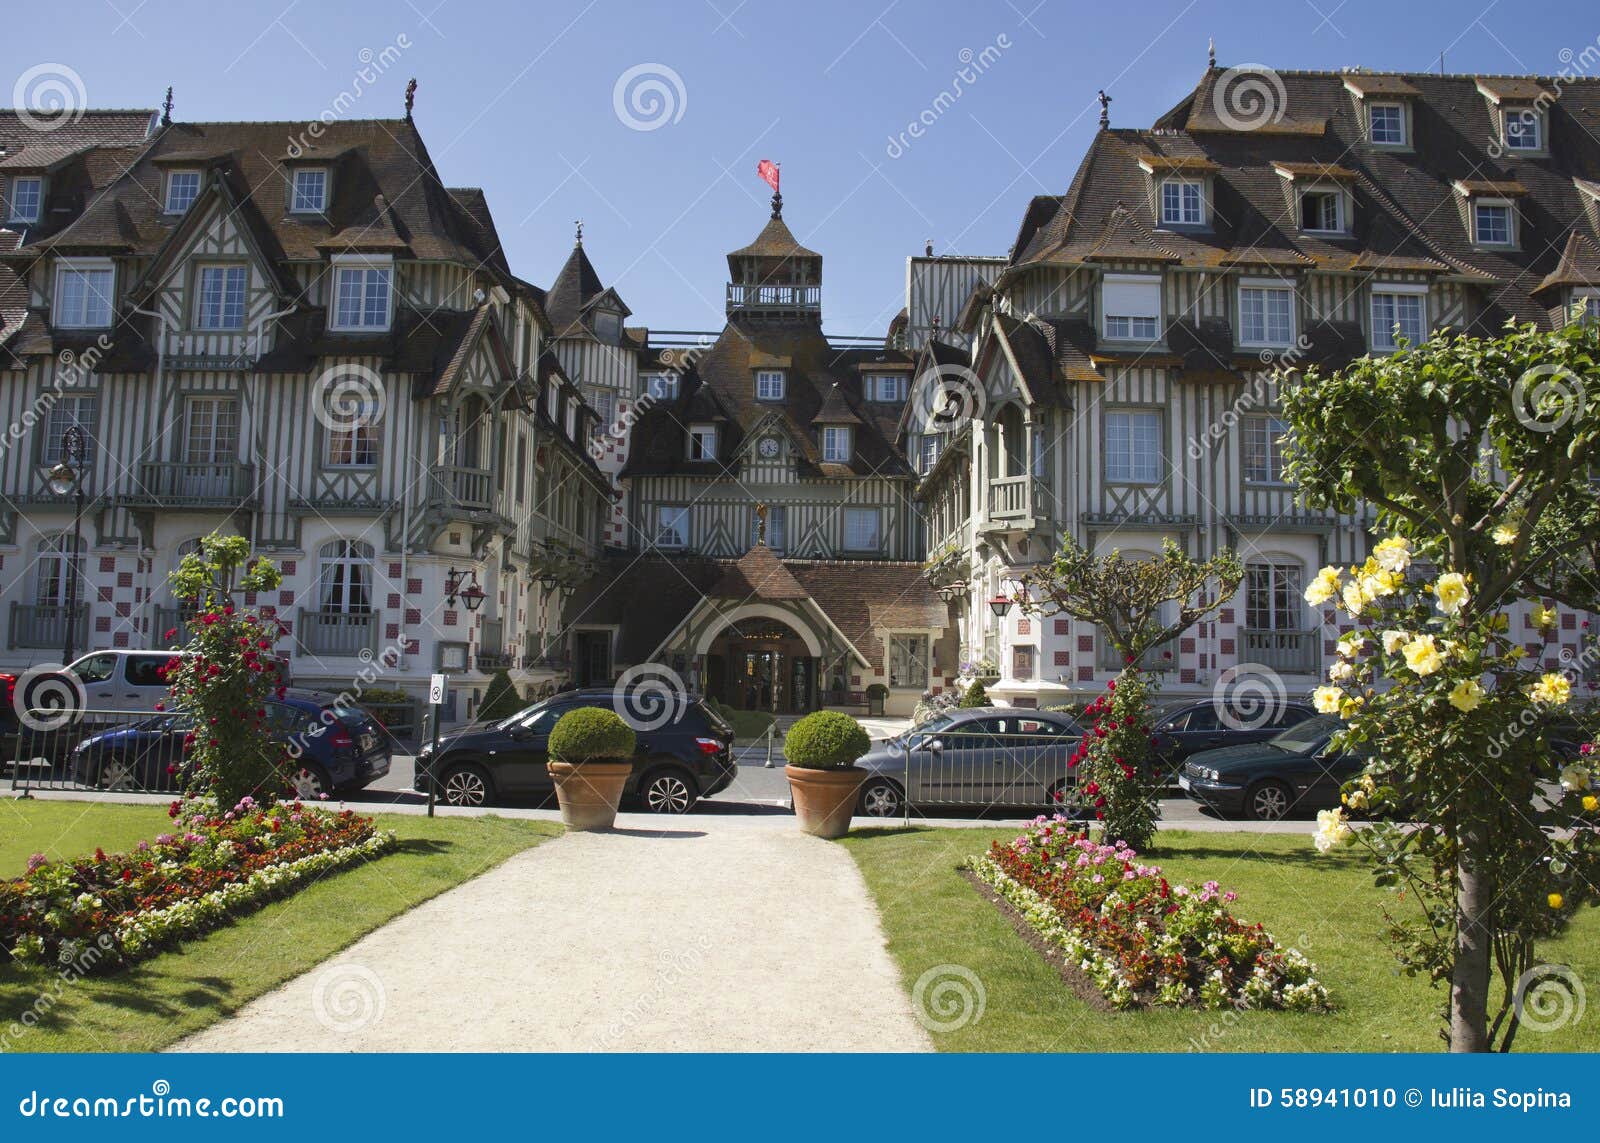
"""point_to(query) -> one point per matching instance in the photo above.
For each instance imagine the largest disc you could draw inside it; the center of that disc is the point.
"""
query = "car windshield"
(522, 717)
(1307, 736)
(937, 722)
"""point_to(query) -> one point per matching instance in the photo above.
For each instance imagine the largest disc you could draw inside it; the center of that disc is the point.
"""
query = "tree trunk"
(1469, 977)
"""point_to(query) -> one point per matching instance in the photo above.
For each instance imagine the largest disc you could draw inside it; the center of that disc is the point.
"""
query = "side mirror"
(936, 745)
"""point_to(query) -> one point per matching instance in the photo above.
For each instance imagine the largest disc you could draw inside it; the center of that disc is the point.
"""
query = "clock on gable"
(768, 447)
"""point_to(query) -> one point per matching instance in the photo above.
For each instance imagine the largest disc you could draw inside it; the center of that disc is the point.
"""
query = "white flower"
(1504, 536)
(1575, 777)
(1332, 830)
(1393, 554)
(1450, 590)
(1327, 699)
(1341, 672)
(1393, 640)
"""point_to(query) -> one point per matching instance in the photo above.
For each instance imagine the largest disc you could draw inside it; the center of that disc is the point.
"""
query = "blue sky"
(522, 99)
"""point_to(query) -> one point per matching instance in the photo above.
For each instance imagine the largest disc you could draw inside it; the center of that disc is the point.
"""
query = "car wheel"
(118, 773)
(465, 784)
(881, 798)
(1268, 801)
(667, 791)
(309, 782)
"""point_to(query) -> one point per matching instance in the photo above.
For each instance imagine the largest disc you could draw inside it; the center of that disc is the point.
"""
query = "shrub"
(976, 696)
(383, 696)
(591, 734)
(501, 699)
(826, 740)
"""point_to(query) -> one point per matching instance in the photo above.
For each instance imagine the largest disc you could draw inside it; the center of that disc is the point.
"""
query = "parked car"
(1298, 771)
(336, 747)
(123, 680)
(688, 758)
(1211, 723)
(982, 756)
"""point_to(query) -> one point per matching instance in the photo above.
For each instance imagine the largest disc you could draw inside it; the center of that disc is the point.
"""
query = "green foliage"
(223, 681)
(826, 740)
(748, 725)
(974, 696)
(500, 699)
(382, 696)
(1113, 761)
(591, 734)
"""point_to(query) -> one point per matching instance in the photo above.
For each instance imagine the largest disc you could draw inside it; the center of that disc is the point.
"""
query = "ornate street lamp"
(463, 585)
(1000, 605)
(65, 479)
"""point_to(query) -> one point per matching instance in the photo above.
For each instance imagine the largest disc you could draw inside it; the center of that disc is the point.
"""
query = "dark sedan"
(1299, 771)
(1218, 722)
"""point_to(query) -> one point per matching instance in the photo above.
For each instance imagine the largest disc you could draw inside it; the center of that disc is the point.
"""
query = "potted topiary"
(877, 694)
(591, 757)
(821, 750)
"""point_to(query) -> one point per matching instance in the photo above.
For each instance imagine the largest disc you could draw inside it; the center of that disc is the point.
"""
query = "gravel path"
(710, 935)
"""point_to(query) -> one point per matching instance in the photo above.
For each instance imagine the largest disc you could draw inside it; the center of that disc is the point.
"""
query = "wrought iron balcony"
(492, 654)
(220, 484)
(337, 633)
(1160, 658)
(44, 625)
(1288, 652)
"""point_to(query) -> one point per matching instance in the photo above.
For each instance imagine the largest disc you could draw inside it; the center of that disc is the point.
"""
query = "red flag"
(768, 170)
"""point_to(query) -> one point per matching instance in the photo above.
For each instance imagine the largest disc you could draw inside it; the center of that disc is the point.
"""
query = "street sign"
(436, 692)
(436, 685)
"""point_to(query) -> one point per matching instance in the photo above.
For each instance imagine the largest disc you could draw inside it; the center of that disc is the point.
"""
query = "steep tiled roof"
(575, 287)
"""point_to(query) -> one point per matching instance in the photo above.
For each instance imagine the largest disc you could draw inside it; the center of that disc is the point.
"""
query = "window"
(702, 442)
(1272, 597)
(210, 433)
(1585, 308)
(521, 476)
(361, 297)
(1022, 668)
(604, 404)
(80, 409)
(776, 531)
(1182, 203)
(83, 296)
(1396, 315)
(221, 297)
(1266, 315)
(1524, 129)
(769, 385)
(886, 387)
(1322, 211)
(183, 187)
(310, 195)
(344, 577)
(608, 324)
(908, 661)
(928, 451)
(353, 440)
(1261, 441)
(571, 417)
(1132, 307)
(1387, 124)
(837, 443)
(27, 199)
(60, 559)
(863, 529)
(1491, 223)
(672, 526)
(1133, 448)
(661, 386)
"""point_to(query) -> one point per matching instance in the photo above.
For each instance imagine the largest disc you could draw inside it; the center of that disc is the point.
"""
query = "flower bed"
(1139, 939)
(109, 910)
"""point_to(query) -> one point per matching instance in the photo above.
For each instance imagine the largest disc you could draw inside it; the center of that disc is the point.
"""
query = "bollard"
(771, 726)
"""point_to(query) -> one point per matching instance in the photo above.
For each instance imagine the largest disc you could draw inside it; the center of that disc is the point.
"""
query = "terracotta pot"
(589, 792)
(824, 800)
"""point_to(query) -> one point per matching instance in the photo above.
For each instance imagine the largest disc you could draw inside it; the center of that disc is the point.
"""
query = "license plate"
(1183, 783)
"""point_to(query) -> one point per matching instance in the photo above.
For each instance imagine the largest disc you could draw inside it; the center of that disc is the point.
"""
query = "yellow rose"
(1350, 644)
(1324, 587)
(1544, 618)
(1421, 655)
(1504, 536)
(1466, 696)
(1341, 672)
(1350, 707)
(1393, 640)
(1355, 597)
(1590, 802)
(1451, 592)
(1556, 900)
(1393, 554)
(1551, 690)
(1326, 699)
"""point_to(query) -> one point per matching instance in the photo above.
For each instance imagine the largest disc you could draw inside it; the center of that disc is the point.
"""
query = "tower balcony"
(774, 298)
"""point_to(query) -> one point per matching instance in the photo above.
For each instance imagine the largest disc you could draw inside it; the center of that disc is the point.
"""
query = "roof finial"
(927, 249)
(1211, 54)
(411, 97)
(1105, 109)
(166, 110)
(777, 205)
(579, 224)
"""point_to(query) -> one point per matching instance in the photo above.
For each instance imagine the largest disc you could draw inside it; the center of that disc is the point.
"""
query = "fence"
(124, 750)
(984, 769)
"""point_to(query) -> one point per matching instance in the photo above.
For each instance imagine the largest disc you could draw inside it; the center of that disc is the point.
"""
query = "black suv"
(689, 757)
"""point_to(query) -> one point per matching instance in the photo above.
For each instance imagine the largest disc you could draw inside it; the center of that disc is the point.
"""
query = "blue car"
(331, 747)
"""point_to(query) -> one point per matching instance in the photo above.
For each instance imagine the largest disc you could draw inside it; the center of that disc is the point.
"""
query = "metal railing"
(58, 748)
(981, 770)
(175, 619)
(455, 487)
(44, 625)
(775, 296)
(493, 654)
(221, 482)
(337, 632)
(1160, 658)
(1289, 652)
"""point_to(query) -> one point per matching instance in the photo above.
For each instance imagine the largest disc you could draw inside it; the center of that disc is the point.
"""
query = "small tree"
(227, 673)
(1478, 454)
(1125, 599)
(500, 698)
(974, 696)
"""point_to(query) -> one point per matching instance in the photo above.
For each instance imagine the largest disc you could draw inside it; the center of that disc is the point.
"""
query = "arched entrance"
(759, 662)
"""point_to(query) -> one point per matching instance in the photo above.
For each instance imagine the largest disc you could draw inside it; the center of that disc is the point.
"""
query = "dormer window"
(1386, 124)
(838, 444)
(702, 442)
(1322, 211)
(1182, 202)
(1524, 129)
(183, 187)
(27, 198)
(1132, 307)
(661, 386)
(362, 295)
(608, 324)
(769, 385)
(309, 194)
(1493, 223)
(886, 387)
(84, 291)
(221, 300)
(1585, 308)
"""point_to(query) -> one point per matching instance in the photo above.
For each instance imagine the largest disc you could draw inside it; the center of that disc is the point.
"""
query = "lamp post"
(66, 478)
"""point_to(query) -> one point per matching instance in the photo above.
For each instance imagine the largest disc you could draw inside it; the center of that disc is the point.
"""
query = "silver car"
(982, 757)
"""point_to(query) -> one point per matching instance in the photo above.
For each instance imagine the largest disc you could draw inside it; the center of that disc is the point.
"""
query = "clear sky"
(523, 100)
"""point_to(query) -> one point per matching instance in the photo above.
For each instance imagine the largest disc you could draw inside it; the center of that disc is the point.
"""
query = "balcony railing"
(337, 633)
(222, 483)
(773, 297)
(451, 486)
(1009, 498)
(492, 653)
(171, 619)
(1158, 658)
(1289, 652)
(44, 625)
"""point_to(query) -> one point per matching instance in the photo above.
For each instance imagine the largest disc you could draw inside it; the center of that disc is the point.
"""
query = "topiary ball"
(826, 740)
(591, 734)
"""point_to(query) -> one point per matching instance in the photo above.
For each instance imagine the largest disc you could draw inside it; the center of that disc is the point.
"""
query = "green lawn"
(158, 1001)
(1326, 906)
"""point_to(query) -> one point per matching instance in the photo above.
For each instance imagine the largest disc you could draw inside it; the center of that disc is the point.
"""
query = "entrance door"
(593, 660)
(759, 680)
